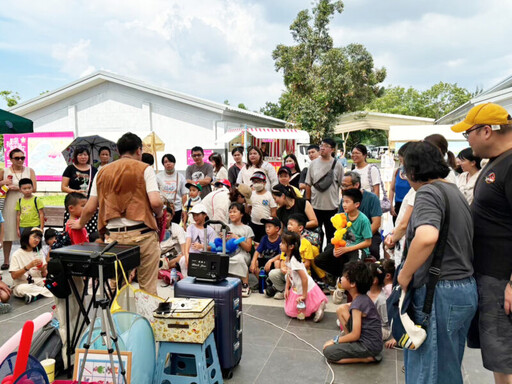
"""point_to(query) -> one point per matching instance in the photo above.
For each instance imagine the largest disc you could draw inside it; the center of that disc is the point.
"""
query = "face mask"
(289, 166)
(259, 187)
(195, 198)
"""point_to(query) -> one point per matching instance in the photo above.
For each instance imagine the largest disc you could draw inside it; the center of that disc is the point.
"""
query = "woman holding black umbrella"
(78, 177)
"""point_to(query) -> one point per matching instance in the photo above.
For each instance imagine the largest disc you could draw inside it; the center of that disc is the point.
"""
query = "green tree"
(242, 106)
(322, 81)
(434, 102)
(10, 97)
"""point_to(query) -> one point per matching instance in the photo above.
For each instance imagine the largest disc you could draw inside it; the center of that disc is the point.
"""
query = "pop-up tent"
(11, 123)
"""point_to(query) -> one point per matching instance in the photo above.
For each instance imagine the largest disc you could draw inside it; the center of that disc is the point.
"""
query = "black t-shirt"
(80, 180)
(492, 217)
(299, 207)
(295, 179)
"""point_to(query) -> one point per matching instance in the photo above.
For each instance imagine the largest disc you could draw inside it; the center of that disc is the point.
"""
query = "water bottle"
(174, 276)
(262, 281)
(301, 310)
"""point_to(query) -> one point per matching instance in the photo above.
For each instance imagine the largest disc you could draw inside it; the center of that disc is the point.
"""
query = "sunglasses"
(19, 158)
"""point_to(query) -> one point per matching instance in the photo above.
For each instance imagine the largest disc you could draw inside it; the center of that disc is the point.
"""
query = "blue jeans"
(439, 358)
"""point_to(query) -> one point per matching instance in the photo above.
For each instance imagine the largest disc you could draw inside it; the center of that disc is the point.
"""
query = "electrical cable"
(298, 337)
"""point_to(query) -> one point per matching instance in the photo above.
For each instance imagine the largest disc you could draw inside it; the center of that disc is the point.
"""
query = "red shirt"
(78, 236)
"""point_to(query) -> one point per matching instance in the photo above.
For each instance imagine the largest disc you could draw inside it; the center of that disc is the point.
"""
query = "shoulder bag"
(385, 203)
(399, 304)
(323, 183)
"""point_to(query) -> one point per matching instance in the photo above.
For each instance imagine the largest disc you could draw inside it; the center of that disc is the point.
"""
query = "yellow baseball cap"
(487, 114)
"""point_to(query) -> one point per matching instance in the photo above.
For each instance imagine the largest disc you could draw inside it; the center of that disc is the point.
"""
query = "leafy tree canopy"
(322, 81)
(434, 102)
(10, 97)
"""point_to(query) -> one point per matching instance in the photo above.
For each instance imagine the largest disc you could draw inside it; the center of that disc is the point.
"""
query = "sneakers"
(270, 291)
(279, 296)
(30, 299)
(319, 314)
(246, 290)
(5, 308)
(338, 296)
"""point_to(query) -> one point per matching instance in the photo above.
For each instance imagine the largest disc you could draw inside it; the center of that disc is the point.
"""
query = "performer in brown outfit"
(126, 192)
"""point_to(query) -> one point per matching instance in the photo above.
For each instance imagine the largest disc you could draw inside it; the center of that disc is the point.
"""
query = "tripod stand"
(108, 331)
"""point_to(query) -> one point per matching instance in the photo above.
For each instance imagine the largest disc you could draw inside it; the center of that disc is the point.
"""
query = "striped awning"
(266, 133)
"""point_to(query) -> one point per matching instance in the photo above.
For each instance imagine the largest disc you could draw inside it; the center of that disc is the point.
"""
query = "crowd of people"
(283, 221)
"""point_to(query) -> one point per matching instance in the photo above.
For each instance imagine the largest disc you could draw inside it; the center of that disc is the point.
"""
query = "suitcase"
(228, 316)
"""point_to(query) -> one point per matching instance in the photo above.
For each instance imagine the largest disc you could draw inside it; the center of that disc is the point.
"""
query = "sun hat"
(198, 208)
(483, 114)
(246, 192)
(195, 185)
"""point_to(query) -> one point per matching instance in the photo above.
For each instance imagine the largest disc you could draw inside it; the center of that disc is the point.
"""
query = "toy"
(231, 245)
(23, 350)
(340, 222)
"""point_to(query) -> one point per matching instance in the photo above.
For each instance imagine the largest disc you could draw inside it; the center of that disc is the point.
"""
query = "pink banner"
(42, 151)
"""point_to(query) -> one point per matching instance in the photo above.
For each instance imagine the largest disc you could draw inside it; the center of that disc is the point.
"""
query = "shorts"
(495, 327)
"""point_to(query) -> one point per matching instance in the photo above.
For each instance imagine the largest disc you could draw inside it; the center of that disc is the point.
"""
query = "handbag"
(399, 304)
(385, 203)
(323, 183)
(130, 299)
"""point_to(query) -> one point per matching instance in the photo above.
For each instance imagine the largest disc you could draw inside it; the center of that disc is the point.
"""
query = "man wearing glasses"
(200, 172)
(325, 199)
(488, 129)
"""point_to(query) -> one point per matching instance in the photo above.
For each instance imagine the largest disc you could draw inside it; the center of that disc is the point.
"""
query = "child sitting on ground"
(29, 209)
(195, 232)
(361, 339)
(378, 296)
(263, 205)
(240, 259)
(389, 272)
(28, 267)
(268, 253)
(173, 244)
(300, 287)
(277, 277)
(194, 198)
(50, 237)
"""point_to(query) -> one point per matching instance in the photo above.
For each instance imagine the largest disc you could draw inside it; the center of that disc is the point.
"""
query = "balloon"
(24, 349)
(11, 344)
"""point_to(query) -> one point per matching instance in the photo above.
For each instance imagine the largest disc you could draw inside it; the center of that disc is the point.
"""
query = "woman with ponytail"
(289, 204)
(442, 144)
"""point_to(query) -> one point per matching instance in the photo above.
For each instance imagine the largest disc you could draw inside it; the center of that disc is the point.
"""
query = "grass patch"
(56, 200)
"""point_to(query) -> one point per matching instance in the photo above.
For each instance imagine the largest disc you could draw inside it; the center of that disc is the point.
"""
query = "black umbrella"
(93, 144)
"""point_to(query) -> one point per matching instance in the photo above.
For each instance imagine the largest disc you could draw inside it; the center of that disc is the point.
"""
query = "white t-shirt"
(244, 177)
(20, 259)
(151, 186)
(408, 201)
(172, 187)
(365, 179)
(261, 206)
(221, 175)
(294, 266)
(176, 239)
(217, 206)
(242, 231)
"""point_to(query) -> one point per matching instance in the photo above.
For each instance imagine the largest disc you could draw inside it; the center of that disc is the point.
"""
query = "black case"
(76, 259)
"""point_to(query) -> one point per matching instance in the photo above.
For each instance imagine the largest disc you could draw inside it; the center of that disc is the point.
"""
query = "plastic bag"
(130, 299)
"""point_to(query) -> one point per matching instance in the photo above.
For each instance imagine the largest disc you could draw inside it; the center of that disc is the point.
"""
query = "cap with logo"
(272, 220)
(483, 114)
(223, 182)
(195, 185)
(258, 176)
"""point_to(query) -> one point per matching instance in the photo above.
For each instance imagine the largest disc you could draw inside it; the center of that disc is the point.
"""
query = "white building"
(109, 105)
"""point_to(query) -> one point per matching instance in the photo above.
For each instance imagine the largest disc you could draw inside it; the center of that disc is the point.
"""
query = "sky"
(222, 49)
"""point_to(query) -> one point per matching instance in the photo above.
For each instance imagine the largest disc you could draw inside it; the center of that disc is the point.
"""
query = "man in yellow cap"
(488, 129)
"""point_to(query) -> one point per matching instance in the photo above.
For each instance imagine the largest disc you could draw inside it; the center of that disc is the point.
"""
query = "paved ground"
(272, 355)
